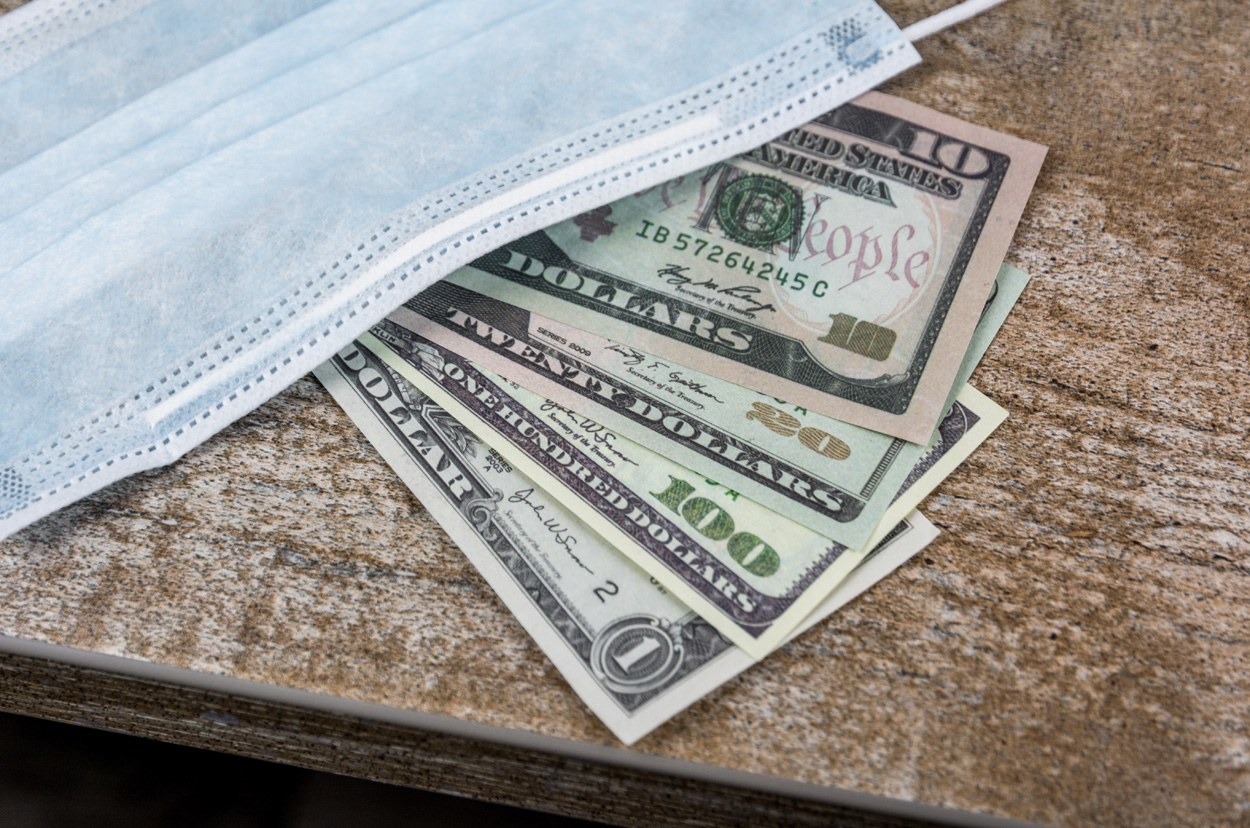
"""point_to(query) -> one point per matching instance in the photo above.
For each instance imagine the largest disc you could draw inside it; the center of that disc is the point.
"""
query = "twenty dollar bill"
(835, 478)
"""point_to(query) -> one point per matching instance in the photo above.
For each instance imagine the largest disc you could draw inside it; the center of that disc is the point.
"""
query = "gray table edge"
(606, 755)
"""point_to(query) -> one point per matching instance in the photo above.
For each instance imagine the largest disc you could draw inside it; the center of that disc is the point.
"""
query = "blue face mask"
(199, 202)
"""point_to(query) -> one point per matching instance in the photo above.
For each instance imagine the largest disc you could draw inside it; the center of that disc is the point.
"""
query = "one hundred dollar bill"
(635, 654)
(841, 267)
(748, 571)
(835, 478)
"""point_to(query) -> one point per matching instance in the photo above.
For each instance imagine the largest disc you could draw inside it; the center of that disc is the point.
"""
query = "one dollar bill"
(841, 267)
(750, 572)
(835, 478)
(635, 654)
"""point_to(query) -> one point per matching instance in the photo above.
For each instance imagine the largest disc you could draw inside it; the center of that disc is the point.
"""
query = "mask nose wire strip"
(945, 19)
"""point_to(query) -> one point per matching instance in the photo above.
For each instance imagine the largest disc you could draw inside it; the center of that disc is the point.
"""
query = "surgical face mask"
(199, 202)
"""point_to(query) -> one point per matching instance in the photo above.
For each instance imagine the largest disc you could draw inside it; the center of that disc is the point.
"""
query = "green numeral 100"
(714, 523)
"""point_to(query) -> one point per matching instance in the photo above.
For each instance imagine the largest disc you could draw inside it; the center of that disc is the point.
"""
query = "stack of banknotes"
(677, 431)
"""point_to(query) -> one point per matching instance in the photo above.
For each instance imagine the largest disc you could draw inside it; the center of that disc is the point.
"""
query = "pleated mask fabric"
(200, 202)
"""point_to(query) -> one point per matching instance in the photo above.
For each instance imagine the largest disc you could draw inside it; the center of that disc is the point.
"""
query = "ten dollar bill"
(841, 267)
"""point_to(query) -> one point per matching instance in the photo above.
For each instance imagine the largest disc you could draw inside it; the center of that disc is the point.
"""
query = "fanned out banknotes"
(677, 431)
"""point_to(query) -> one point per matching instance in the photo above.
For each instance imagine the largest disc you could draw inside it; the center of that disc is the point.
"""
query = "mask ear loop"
(945, 19)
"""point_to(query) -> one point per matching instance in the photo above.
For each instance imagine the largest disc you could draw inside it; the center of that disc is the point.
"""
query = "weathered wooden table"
(1074, 649)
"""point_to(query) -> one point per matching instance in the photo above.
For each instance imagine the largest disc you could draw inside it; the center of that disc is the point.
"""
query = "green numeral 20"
(714, 523)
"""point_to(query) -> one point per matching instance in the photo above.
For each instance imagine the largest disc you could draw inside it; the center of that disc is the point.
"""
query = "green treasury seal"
(759, 210)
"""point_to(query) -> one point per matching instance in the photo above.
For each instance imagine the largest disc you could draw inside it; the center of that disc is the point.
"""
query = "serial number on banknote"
(819, 240)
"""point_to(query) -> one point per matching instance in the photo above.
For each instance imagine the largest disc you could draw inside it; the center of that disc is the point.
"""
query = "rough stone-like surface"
(1073, 649)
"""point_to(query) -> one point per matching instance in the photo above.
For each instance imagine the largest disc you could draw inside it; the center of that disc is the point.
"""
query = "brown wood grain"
(1074, 648)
